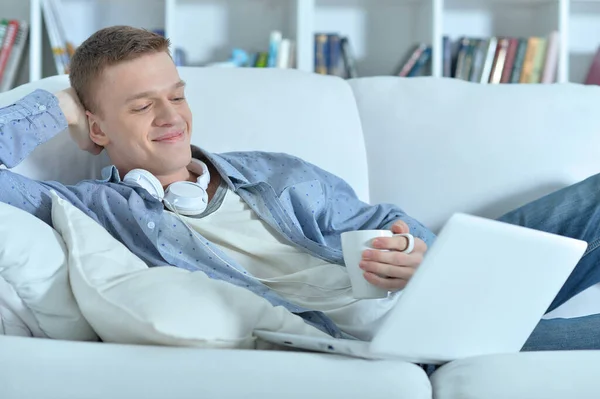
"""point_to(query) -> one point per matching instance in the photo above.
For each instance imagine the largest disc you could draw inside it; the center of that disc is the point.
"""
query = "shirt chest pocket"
(306, 197)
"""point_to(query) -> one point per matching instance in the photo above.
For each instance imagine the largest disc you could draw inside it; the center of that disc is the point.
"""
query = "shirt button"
(42, 107)
(151, 225)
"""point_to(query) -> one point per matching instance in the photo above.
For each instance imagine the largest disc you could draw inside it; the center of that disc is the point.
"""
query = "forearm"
(29, 122)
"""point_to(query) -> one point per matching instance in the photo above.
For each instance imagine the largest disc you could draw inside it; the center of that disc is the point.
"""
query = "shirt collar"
(110, 174)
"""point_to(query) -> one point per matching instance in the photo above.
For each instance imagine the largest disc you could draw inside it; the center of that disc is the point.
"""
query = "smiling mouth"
(170, 138)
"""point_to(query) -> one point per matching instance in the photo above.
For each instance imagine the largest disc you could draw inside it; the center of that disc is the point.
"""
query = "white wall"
(83, 17)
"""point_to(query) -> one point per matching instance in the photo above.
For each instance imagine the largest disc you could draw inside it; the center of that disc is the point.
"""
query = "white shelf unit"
(518, 18)
(381, 32)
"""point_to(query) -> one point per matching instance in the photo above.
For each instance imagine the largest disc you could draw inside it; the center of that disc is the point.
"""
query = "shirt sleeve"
(344, 211)
(24, 125)
(28, 123)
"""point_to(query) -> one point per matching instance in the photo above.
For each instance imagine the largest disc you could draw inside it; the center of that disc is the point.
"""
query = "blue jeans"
(573, 212)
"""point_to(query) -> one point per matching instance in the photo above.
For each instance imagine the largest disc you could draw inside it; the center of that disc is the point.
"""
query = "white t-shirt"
(297, 276)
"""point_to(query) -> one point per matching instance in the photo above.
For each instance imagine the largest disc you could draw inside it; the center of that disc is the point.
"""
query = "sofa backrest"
(307, 115)
(438, 146)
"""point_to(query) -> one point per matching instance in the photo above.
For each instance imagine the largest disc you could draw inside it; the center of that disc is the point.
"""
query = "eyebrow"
(145, 94)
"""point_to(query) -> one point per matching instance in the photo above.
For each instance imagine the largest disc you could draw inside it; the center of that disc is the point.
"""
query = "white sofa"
(432, 146)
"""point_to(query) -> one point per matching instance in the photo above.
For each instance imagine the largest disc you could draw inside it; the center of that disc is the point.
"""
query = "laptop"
(481, 289)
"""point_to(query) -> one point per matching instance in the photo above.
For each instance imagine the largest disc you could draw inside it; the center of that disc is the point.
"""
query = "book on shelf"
(279, 52)
(593, 76)
(13, 37)
(416, 60)
(505, 59)
(62, 49)
(334, 55)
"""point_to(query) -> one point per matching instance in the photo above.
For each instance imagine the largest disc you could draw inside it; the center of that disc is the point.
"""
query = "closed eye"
(178, 99)
(142, 109)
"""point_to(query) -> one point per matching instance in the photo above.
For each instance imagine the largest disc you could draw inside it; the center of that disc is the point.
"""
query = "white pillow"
(127, 302)
(35, 295)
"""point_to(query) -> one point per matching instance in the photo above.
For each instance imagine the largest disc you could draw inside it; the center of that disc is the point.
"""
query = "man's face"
(143, 119)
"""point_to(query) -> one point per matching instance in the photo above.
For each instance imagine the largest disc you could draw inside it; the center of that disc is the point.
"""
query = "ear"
(97, 135)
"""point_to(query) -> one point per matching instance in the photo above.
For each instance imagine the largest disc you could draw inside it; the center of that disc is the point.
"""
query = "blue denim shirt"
(306, 205)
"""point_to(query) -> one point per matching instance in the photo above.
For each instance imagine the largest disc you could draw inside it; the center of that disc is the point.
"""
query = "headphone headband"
(187, 198)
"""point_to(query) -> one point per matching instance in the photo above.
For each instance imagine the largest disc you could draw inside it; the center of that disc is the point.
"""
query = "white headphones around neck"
(185, 197)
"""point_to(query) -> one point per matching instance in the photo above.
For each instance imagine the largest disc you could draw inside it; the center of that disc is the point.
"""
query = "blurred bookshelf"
(368, 37)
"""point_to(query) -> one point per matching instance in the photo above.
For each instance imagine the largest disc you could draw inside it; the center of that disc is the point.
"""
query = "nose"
(166, 115)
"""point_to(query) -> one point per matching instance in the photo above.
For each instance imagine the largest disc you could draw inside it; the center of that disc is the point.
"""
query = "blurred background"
(486, 41)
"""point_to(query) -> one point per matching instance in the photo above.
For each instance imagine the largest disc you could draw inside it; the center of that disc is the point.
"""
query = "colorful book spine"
(489, 61)
(348, 57)
(510, 60)
(7, 44)
(460, 57)
(3, 26)
(499, 61)
(519, 58)
(67, 47)
(538, 61)
(551, 64)
(284, 54)
(469, 59)
(593, 76)
(59, 50)
(479, 53)
(262, 60)
(447, 49)
(15, 58)
(321, 53)
(334, 55)
(412, 60)
(528, 62)
(421, 62)
(274, 42)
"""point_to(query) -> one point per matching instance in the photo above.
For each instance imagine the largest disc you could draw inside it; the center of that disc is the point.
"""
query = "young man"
(275, 234)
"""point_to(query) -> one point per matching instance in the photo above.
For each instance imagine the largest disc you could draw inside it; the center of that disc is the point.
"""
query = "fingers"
(393, 257)
(391, 269)
(386, 270)
(390, 284)
(400, 227)
(398, 244)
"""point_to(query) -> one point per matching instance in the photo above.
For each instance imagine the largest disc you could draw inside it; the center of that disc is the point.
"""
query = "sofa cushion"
(76, 370)
(35, 295)
(548, 375)
(127, 302)
(458, 146)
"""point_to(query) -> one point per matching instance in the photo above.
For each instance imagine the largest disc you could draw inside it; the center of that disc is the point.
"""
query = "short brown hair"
(106, 47)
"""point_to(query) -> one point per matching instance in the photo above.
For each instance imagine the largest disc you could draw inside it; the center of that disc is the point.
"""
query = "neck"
(181, 175)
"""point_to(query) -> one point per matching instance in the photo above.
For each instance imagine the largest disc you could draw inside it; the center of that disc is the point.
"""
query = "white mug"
(354, 243)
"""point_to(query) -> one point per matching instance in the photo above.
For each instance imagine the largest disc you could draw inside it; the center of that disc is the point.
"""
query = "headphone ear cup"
(186, 198)
(147, 181)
